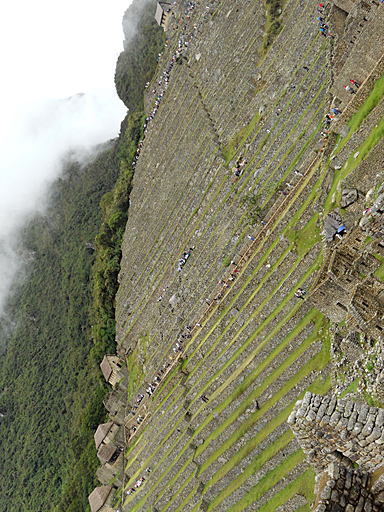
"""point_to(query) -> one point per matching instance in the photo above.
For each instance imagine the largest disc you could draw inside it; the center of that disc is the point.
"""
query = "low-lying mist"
(34, 138)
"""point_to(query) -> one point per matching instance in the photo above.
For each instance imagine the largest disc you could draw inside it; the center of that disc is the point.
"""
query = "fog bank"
(32, 145)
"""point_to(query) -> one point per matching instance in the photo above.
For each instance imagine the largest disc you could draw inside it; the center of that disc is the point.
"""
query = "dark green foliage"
(273, 26)
(108, 242)
(60, 321)
(252, 207)
(137, 63)
(49, 379)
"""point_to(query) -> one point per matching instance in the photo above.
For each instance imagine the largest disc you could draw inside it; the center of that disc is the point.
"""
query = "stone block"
(325, 420)
(335, 418)
(326, 493)
(321, 411)
(333, 471)
(363, 413)
(348, 409)
(352, 421)
(378, 486)
(376, 434)
(348, 197)
(379, 422)
(360, 505)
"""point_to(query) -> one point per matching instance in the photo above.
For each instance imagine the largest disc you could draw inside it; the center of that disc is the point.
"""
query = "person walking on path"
(251, 238)
(349, 89)
(355, 83)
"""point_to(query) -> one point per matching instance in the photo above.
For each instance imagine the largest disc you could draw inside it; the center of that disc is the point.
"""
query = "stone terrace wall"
(324, 425)
(345, 489)
(365, 64)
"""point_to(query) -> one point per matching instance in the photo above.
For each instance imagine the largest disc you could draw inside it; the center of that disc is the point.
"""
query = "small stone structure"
(114, 369)
(336, 435)
(107, 433)
(115, 403)
(162, 10)
(344, 489)
(100, 499)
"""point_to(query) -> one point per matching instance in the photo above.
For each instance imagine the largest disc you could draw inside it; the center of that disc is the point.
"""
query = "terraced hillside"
(232, 344)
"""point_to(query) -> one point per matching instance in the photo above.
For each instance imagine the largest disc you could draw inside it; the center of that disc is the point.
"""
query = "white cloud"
(48, 51)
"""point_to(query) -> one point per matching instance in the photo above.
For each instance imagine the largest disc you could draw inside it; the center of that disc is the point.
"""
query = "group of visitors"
(184, 258)
(323, 25)
(350, 89)
(239, 167)
(138, 483)
(300, 293)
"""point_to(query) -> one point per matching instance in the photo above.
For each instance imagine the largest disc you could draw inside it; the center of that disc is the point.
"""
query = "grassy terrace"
(261, 343)
(206, 228)
(259, 130)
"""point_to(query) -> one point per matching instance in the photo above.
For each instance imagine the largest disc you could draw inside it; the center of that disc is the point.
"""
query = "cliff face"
(224, 240)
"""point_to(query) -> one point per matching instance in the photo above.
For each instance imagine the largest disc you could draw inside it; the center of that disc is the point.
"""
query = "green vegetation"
(376, 134)
(136, 64)
(351, 388)
(369, 105)
(273, 25)
(303, 486)
(108, 242)
(253, 209)
(50, 413)
(380, 271)
(238, 140)
(307, 237)
(60, 321)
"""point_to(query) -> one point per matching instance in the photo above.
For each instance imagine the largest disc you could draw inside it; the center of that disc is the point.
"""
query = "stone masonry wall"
(324, 425)
(345, 489)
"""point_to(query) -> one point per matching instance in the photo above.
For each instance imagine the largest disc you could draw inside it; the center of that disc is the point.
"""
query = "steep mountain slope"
(236, 168)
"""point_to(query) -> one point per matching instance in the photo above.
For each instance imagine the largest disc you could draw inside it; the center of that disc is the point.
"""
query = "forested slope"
(60, 322)
(45, 369)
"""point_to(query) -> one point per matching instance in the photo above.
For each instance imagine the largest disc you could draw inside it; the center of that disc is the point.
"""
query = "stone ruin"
(346, 288)
(344, 442)
(109, 437)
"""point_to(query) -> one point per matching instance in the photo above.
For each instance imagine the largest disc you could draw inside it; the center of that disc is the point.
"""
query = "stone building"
(344, 442)
(112, 460)
(100, 499)
(346, 288)
(114, 369)
(108, 434)
(162, 10)
(115, 402)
